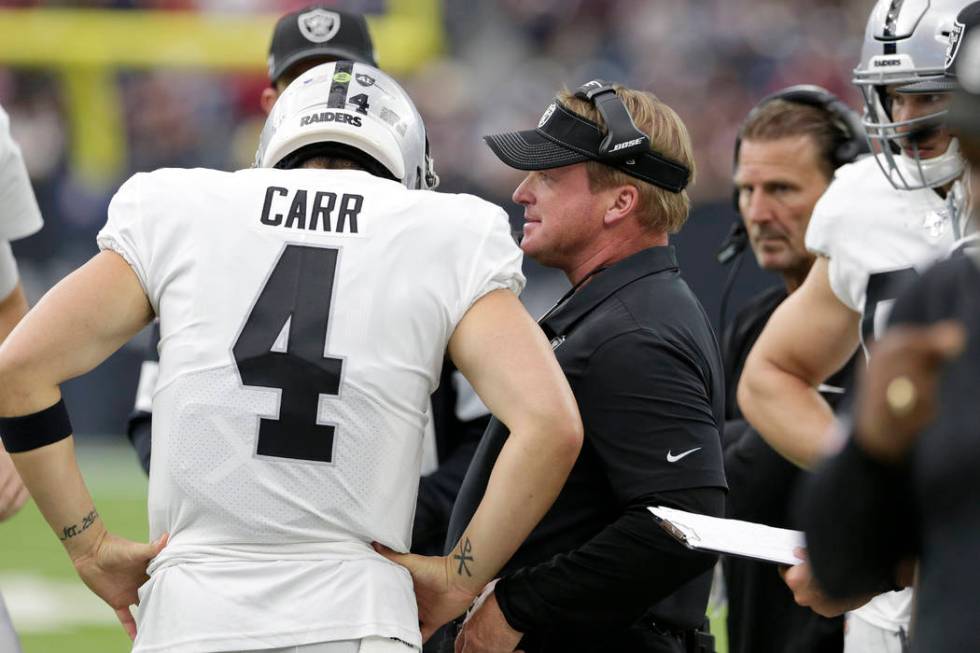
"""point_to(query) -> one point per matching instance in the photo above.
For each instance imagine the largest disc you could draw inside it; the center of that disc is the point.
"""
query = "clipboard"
(730, 536)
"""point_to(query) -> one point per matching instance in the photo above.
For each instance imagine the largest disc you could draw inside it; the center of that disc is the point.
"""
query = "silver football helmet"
(354, 105)
(906, 42)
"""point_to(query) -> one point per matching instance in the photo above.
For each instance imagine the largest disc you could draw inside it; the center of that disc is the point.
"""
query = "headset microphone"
(734, 243)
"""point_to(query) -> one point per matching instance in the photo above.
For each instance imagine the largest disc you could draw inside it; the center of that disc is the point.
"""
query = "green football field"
(51, 608)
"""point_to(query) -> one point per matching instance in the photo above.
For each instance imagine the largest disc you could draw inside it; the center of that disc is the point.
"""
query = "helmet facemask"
(905, 167)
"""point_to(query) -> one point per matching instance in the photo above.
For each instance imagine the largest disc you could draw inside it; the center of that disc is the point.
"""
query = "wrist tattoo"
(77, 529)
(464, 556)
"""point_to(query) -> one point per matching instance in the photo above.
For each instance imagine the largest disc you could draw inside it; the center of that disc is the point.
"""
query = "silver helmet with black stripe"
(906, 42)
(355, 106)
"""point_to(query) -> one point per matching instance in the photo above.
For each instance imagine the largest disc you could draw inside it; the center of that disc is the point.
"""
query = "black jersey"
(644, 365)
(862, 517)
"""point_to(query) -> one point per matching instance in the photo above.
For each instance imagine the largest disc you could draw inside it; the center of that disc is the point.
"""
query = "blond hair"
(659, 209)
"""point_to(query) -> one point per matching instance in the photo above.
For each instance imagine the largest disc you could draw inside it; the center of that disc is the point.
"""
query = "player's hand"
(897, 398)
(13, 494)
(485, 629)
(807, 592)
(114, 569)
(439, 600)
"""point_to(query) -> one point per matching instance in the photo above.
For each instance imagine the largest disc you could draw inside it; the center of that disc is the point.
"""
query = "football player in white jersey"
(871, 233)
(19, 217)
(304, 316)
(302, 39)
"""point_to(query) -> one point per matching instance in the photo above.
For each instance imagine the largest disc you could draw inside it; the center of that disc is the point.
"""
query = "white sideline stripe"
(40, 604)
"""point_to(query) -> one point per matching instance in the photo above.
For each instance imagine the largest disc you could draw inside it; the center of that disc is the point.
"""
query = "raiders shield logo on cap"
(547, 114)
(955, 38)
(319, 25)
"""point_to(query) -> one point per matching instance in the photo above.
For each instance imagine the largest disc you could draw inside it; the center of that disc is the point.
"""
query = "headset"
(624, 146)
(851, 144)
(851, 140)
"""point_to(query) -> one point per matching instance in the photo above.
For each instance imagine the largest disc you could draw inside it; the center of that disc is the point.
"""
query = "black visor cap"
(564, 137)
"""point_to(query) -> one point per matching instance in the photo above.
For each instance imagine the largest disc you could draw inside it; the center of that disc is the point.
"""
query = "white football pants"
(366, 645)
(863, 637)
(8, 638)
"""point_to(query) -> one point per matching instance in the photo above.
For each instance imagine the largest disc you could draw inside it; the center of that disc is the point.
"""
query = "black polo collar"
(644, 263)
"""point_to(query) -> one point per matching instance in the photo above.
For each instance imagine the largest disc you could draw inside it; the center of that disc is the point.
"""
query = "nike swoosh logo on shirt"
(674, 459)
(831, 389)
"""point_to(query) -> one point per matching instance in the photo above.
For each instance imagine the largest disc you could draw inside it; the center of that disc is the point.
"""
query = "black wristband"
(28, 432)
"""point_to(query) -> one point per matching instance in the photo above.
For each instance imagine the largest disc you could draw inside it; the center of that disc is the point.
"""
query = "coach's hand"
(485, 629)
(13, 494)
(114, 569)
(807, 592)
(439, 600)
(898, 395)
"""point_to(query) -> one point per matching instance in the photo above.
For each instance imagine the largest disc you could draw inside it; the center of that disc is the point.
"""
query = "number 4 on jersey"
(298, 291)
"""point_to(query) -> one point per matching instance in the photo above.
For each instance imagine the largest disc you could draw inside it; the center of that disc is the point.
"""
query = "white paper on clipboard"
(730, 536)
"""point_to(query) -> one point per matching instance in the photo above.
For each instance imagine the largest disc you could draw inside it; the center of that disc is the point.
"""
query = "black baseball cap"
(319, 31)
(966, 23)
(563, 138)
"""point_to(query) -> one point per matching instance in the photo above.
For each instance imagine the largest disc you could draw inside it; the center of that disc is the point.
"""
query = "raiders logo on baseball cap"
(319, 32)
(563, 137)
(965, 24)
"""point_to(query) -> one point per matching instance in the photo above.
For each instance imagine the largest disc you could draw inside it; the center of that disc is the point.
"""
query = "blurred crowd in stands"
(711, 60)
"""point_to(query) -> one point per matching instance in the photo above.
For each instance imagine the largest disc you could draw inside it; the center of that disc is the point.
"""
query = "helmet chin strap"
(932, 172)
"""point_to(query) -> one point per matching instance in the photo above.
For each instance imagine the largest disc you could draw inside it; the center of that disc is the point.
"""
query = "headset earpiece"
(852, 142)
(623, 137)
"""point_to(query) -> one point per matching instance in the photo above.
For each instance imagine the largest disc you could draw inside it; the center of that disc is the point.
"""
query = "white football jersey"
(877, 239)
(304, 316)
(19, 214)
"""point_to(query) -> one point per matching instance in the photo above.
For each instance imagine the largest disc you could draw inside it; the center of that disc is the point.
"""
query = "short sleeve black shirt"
(643, 363)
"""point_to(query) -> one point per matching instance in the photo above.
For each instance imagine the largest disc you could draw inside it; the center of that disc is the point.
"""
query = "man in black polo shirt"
(643, 362)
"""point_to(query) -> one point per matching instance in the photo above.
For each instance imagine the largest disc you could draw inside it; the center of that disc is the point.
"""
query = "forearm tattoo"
(76, 529)
(464, 556)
